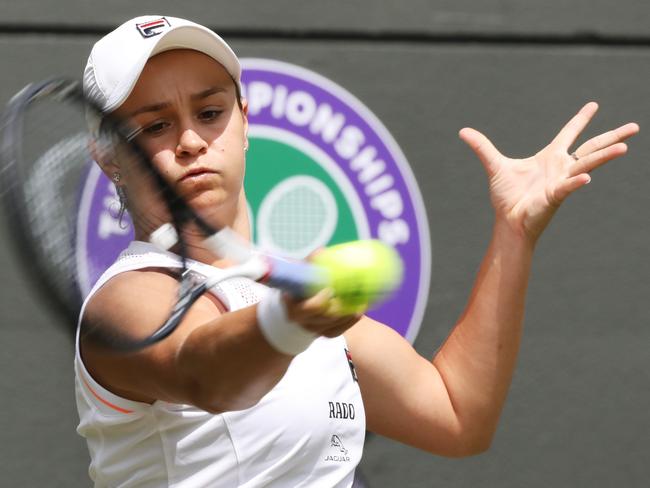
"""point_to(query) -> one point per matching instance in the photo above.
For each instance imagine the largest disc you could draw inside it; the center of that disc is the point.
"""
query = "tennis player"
(256, 389)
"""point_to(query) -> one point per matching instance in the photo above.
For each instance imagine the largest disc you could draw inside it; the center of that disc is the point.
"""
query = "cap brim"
(195, 37)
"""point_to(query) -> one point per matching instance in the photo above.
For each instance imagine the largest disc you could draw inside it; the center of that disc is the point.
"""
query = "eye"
(155, 128)
(210, 114)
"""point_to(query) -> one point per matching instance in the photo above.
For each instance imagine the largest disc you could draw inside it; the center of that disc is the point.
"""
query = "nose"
(190, 143)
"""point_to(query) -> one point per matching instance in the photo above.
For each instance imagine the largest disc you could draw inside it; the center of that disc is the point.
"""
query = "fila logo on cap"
(152, 27)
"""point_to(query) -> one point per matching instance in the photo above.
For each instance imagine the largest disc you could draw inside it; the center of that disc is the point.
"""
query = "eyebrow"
(206, 93)
(157, 107)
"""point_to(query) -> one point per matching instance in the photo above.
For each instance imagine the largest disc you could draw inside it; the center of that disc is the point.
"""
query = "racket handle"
(299, 278)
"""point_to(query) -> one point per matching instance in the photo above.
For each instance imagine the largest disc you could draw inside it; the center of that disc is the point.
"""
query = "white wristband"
(284, 335)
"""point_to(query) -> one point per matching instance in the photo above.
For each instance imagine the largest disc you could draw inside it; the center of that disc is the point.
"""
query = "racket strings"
(49, 198)
(52, 152)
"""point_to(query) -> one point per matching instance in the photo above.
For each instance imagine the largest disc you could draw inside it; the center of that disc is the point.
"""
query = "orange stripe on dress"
(105, 402)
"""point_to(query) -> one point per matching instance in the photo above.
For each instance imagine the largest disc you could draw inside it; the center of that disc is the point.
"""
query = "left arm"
(451, 405)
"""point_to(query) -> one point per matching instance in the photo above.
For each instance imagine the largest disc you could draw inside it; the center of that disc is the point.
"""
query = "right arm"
(215, 360)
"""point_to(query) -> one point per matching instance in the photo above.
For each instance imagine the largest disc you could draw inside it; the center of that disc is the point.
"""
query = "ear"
(105, 159)
(244, 111)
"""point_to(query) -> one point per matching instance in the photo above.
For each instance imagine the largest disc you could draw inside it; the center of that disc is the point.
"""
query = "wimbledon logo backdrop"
(321, 169)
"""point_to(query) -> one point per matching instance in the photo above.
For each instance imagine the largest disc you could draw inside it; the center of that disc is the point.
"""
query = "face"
(194, 132)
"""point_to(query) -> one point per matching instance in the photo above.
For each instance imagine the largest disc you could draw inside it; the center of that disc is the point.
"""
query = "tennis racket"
(46, 152)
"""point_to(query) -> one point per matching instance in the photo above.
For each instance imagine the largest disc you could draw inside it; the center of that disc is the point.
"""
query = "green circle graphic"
(273, 162)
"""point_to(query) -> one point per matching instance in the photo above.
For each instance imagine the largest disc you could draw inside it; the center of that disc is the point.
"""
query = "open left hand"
(527, 192)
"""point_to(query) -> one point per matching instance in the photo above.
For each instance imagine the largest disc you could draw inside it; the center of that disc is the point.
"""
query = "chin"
(214, 205)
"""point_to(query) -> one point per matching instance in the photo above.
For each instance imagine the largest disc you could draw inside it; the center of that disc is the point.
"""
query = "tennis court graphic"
(303, 201)
(280, 229)
(326, 171)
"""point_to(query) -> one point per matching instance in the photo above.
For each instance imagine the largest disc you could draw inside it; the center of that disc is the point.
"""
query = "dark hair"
(238, 94)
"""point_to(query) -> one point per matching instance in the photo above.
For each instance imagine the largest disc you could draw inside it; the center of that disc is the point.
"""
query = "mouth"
(198, 173)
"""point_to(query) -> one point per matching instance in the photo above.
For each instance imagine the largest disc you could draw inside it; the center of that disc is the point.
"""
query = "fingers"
(568, 186)
(298, 310)
(328, 325)
(592, 161)
(591, 155)
(570, 132)
(607, 139)
(483, 147)
(335, 332)
(315, 314)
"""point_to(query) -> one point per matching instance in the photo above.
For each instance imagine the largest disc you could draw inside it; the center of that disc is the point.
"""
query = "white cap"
(117, 59)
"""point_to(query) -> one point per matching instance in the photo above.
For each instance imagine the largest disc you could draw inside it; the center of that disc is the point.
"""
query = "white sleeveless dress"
(308, 431)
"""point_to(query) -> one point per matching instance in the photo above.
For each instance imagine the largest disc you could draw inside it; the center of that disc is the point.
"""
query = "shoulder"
(131, 306)
(145, 294)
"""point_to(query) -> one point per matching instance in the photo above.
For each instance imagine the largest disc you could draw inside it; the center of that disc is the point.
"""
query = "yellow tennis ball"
(361, 274)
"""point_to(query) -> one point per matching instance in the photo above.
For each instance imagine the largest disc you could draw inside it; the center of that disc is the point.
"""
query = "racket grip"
(298, 278)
